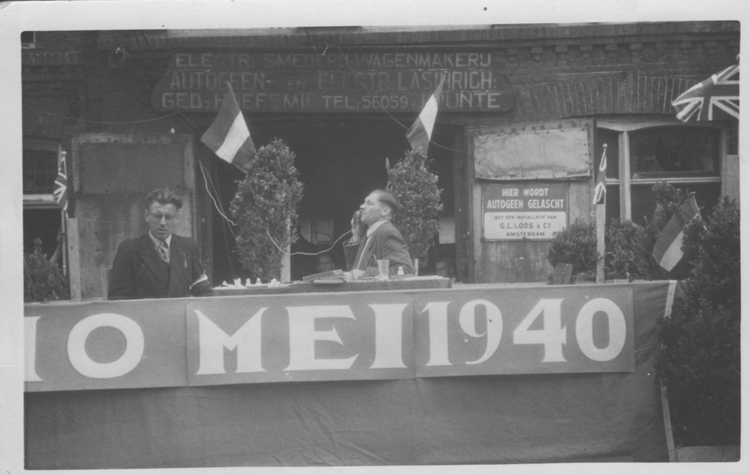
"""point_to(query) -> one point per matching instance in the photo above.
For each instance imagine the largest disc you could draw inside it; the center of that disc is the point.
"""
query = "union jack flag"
(716, 98)
(600, 191)
(61, 183)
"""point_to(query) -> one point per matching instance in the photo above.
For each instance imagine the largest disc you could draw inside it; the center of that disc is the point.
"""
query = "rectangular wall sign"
(514, 212)
(334, 80)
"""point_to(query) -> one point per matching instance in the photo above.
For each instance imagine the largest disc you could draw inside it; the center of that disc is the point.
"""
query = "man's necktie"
(164, 252)
(363, 249)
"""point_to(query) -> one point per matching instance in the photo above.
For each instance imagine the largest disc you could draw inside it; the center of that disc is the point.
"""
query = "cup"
(383, 268)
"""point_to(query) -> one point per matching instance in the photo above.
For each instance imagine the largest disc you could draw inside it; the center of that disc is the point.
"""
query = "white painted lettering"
(29, 346)
(437, 313)
(302, 337)
(134, 344)
(212, 340)
(494, 326)
(388, 340)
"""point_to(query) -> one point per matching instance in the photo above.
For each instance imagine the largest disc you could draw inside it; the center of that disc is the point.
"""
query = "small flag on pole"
(668, 247)
(229, 136)
(420, 132)
(61, 182)
(600, 191)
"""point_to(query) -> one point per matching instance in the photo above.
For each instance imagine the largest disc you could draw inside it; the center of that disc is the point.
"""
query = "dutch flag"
(229, 136)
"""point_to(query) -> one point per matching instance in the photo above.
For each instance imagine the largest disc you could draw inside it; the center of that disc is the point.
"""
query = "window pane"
(42, 224)
(613, 203)
(674, 152)
(609, 137)
(39, 171)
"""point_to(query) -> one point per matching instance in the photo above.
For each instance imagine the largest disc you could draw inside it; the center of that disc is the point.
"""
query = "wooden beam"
(74, 259)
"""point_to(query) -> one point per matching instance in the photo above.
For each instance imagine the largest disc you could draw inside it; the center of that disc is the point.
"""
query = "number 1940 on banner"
(329, 337)
(564, 331)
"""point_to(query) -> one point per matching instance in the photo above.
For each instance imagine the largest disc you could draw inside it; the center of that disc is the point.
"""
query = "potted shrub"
(43, 280)
(265, 210)
(576, 245)
(699, 359)
(628, 246)
(415, 187)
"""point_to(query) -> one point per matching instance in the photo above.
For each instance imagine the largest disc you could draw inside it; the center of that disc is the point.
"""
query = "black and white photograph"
(418, 237)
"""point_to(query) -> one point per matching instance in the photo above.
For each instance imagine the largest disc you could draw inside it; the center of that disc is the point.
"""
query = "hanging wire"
(300, 253)
(103, 121)
(205, 180)
(218, 197)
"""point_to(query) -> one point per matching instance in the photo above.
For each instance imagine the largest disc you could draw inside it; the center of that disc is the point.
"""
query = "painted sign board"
(552, 150)
(328, 337)
(514, 212)
(334, 81)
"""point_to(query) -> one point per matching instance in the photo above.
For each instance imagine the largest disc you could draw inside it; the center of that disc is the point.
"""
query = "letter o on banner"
(134, 344)
(585, 329)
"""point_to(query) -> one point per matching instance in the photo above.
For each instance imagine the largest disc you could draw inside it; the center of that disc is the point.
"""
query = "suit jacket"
(386, 242)
(139, 273)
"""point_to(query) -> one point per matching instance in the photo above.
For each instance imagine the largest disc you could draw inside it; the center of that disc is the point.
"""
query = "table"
(404, 283)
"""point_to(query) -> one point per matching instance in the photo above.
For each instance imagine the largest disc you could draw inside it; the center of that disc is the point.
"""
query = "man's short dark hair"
(389, 200)
(163, 196)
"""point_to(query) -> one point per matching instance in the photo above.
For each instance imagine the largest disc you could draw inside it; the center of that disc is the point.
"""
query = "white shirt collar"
(157, 241)
(372, 228)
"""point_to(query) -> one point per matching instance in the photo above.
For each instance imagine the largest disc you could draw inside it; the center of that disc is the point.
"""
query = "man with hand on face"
(158, 264)
(374, 236)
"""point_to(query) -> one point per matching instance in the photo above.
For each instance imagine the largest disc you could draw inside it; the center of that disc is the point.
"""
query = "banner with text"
(328, 337)
(535, 211)
(398, 81)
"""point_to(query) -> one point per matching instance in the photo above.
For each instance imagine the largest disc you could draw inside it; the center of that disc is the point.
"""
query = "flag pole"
(64, 241)
(600, 249)
(601, 217)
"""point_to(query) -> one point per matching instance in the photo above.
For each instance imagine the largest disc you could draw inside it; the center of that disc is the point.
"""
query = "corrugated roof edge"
(425, 35)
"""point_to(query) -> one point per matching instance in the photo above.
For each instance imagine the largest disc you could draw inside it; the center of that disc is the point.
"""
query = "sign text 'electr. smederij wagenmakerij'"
(334, 82)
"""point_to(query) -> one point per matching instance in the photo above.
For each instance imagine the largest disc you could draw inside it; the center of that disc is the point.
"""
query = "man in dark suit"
(158, 264)
(381, 240)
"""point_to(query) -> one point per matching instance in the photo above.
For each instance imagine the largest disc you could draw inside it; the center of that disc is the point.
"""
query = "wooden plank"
(115, 172)
(730, 177)
(600, 248)
(74, 259)
(625, 203)
(507, 260)
(667, 422)
(460, 205)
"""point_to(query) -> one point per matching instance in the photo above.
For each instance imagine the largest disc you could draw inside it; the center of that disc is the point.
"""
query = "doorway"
(340, 159)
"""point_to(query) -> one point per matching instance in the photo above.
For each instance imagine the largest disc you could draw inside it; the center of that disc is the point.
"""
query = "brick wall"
(556, 71)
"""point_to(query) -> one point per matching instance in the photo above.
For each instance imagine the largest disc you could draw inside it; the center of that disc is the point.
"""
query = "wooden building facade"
(524, 116)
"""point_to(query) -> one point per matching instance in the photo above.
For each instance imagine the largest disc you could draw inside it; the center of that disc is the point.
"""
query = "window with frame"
(671, 152)
(39, 170)
(42, 216)
(644, 151)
